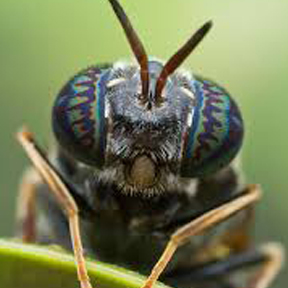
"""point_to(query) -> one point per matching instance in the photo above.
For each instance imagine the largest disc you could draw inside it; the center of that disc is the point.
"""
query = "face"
(146, 127)
(144, 140)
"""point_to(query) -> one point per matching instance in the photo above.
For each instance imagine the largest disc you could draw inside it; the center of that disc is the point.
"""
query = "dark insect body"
(144, 158)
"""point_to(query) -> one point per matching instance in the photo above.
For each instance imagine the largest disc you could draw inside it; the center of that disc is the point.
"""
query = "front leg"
(199, 225)
(266, 260)
(63, 196)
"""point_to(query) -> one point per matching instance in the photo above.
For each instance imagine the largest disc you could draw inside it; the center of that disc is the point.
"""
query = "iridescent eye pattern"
(216, 131)
(79, 116)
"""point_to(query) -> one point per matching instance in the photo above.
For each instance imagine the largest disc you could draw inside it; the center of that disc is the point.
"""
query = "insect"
(144, 167)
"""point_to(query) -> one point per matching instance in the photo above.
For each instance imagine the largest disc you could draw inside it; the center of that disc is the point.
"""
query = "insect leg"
(199, 225)
(268, 258)
(274, 253)
(26, 205)
(238, 237)
(61, 192)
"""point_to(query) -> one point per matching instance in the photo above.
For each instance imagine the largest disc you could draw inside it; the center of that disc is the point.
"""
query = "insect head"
(146, 125)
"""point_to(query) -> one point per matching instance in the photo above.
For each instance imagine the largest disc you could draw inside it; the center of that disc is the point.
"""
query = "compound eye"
(215, 132)
(79, 117)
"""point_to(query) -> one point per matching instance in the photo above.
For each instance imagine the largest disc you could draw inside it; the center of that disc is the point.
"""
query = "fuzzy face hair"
(144, 142)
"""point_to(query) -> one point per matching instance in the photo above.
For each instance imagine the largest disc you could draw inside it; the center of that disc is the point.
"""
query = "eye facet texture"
(79, 116)
(215, 134)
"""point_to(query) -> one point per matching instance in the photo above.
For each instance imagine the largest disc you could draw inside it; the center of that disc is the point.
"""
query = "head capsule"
(147, 117)
(214, 131)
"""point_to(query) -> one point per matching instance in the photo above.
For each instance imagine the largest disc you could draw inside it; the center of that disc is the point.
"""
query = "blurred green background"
(43, 43)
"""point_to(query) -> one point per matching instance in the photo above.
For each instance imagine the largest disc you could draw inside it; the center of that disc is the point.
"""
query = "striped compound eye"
(215, 132)
(79, 116)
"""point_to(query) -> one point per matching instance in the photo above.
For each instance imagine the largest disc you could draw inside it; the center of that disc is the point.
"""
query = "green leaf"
(34, 266)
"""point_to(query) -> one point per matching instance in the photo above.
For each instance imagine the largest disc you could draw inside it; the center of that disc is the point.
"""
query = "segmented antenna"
(136, 45)
(177, 59)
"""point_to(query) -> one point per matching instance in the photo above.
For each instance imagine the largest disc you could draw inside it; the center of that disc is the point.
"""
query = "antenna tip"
(204, 30)
(208, 25)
